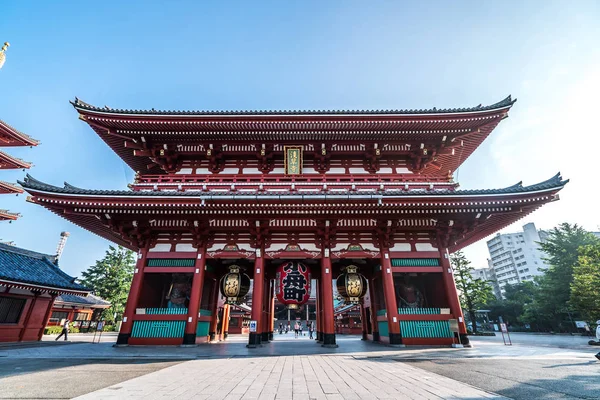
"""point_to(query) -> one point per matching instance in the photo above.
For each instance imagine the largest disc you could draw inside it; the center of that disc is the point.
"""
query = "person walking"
(288, 328)
(598, 336)
(310, 330)
(65, 330)
(280, 328)
(296, 329)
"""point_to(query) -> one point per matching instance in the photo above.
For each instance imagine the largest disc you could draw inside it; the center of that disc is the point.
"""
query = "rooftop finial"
(2, 53)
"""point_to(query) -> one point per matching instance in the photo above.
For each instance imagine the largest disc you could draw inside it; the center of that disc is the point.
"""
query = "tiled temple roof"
(507, 102)
(32, 268)
(31, 183)
(89, 301)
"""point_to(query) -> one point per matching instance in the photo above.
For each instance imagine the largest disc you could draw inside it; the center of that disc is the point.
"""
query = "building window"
(57, 316)
(10, 310)
(81, 316)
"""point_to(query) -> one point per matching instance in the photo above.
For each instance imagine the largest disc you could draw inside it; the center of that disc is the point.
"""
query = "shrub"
(52, 330)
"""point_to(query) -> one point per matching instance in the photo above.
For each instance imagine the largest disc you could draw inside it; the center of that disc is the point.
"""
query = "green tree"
(550, 306)
(511, 308)
(585, 288)
(111, 279)
(474, 293)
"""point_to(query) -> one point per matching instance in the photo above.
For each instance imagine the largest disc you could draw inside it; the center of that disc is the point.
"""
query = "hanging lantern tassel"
(351, 285)
(3, 53)
(234, 285)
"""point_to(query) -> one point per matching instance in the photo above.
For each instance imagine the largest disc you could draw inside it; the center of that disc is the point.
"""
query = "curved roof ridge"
(506, 102)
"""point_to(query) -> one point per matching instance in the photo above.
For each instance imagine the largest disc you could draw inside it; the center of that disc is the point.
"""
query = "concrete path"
(291, 377)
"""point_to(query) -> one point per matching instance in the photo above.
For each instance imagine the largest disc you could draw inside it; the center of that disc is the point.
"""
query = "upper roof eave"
(86, 107)
(32, 185)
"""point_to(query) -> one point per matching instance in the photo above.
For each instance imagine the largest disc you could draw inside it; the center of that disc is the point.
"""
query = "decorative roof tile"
(30, 267)
(507, 102)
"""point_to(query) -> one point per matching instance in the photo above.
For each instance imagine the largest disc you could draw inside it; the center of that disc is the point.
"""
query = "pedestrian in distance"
(296, 329)
(598, 336)
(280, 328)
(310, 330)
(288, 328)
(65, 330)
(301, 328)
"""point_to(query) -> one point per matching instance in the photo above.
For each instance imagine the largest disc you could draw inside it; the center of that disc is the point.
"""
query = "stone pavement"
(548, 367)
(291, 377)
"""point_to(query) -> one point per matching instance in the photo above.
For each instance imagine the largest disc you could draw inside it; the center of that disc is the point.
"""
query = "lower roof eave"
(49, 289)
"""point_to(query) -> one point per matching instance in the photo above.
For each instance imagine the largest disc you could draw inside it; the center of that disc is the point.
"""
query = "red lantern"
(293, 284)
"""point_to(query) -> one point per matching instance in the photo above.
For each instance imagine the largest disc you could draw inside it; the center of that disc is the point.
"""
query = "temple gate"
(330, 189)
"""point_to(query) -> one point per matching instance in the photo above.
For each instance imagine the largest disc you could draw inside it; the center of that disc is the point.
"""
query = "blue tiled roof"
(29, 267)
(89, 300)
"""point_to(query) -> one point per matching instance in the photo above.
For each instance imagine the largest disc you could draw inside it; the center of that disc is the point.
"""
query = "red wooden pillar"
(212, 331)
(319, 327)
(196, 294)
(363, 321)
(133, 297)
(373, 309)
(254, 339)
(47, 316)
(327, 297)
(266, 311)
(226, 316)
(391, 308)
(452, 295)
(272, 311)
(28, 316)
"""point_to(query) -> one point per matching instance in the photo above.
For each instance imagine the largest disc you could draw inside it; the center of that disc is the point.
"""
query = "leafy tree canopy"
(585, 288)
(550, 306)
(110, 279)
(474, 293)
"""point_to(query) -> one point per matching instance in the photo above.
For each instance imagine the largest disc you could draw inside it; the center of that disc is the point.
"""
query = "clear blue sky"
(302, 55)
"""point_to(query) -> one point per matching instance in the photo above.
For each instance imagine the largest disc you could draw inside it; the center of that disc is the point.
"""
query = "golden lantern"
(351, 285)
(3, 53)
(234, 285)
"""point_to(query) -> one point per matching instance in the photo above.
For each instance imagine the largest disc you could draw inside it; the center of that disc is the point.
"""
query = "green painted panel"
(158, 329)
(162, 311)
(383, 328)
(205, 313)
(419, 311)
(202, 329)
(415, 262)
(425, 329)
(381, 312)
(171, 262)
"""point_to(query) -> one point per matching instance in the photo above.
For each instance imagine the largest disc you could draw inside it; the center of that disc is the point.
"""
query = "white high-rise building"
(516, 257)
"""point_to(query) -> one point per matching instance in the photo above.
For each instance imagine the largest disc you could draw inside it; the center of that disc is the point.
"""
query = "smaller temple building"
(30, 282)
(82, 311)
